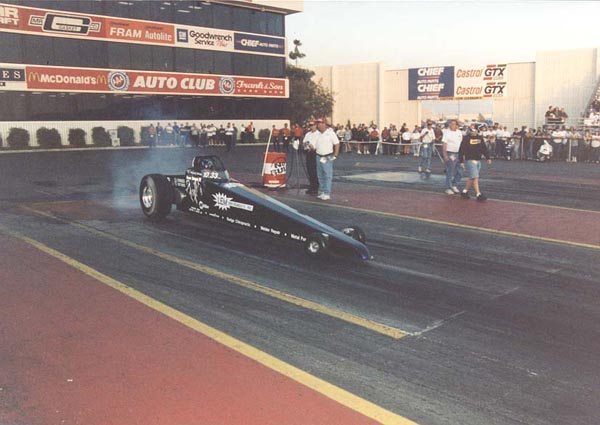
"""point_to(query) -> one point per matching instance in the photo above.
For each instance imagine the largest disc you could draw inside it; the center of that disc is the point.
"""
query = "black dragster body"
(206, 189)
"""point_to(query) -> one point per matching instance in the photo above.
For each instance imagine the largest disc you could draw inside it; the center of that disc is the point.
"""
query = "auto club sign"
(68, 79)
(54, 23)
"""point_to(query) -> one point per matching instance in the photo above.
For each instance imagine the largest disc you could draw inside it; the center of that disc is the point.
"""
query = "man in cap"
(311, 159)
(327, 146)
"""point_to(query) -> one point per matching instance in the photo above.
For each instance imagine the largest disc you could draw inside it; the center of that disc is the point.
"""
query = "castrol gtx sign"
(477, 82)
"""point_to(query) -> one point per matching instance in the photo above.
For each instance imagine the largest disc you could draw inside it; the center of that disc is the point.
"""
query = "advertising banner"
(66, 79)
(27, 20)
(480, 82)
(431, 83)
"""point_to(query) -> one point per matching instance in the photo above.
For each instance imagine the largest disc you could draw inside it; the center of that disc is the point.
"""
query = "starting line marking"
(321, 386)
(273, 293)
(447, 223)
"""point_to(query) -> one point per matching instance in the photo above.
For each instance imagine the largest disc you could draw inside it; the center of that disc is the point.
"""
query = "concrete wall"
(565, 78)
(518, 108)
(356, 89)
(397, 109)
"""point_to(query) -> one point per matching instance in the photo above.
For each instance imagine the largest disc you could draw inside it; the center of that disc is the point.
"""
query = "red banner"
(55, 78)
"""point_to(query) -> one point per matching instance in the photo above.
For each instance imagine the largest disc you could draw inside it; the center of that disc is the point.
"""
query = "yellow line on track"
(447, 223)
(245, 283)
(325, 388)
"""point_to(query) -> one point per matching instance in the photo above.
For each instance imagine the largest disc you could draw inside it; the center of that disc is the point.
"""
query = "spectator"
(169, 134)
(185, 133)
(327, 146)
(250, 133)
(347, 139)
(221, 135)
(451, 141)
(275, 139)
(529, 144)
(558, 136)
(298, 135)
(151, 135)
(394, 140)
(415, 140)
(235, 134)
(229, 137)
(596, 148)
(472, 148)
(374, 139)
(176, 130)
(194, 135)
(426, 137)
(203, 136)
(285, 135)
(159, 133)
(586, 153)
(406, 139)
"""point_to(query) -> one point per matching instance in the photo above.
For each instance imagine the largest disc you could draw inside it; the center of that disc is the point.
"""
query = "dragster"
(207, 190)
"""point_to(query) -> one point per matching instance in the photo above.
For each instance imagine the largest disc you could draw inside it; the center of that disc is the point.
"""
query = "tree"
(308, 99)
(296, 54)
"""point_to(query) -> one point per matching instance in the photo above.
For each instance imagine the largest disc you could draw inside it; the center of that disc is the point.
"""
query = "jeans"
(325, 174)
(453, 171)
(425, 156)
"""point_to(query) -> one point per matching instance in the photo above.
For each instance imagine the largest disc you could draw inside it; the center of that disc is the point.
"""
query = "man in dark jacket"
(472, 148)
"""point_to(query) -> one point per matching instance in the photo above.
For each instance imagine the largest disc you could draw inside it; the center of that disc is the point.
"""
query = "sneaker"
(420, 169)
(465, 195)
(325, 197)
(449, 192)
(359, 152)
(481, 197)
(455, 189)
(310, 192)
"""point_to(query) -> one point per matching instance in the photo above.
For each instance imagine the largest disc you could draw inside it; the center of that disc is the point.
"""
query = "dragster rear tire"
(156, 196)
(315, 245)
(356, 233)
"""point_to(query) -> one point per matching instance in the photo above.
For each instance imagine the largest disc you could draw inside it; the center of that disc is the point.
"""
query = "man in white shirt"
(558, 136)
(427, 137)
(451, 141)
(327, 147)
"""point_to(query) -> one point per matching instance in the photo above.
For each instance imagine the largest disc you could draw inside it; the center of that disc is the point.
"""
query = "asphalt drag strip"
(499, 312)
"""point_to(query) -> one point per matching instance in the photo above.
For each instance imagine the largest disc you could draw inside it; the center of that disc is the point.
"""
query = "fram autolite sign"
(480, 81)
(67, 79)
(53, 23)
(435, 82)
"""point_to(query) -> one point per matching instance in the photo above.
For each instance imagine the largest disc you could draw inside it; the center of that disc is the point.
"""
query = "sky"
(411, 34)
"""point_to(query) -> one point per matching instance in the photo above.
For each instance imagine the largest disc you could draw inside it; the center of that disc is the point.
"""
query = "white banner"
(477, 82)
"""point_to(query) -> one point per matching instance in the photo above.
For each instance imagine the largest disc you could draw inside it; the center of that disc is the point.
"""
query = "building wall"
(356, 90)
(565, 78)
(518, 108)
(397, 109)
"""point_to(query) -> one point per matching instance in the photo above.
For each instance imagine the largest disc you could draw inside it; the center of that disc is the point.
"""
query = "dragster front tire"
(156, 196)
(315, 245)
(355, 233)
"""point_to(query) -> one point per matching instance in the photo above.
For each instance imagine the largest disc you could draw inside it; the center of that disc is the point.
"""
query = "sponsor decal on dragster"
(431, 83)
(224, 203)
(259, 43)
